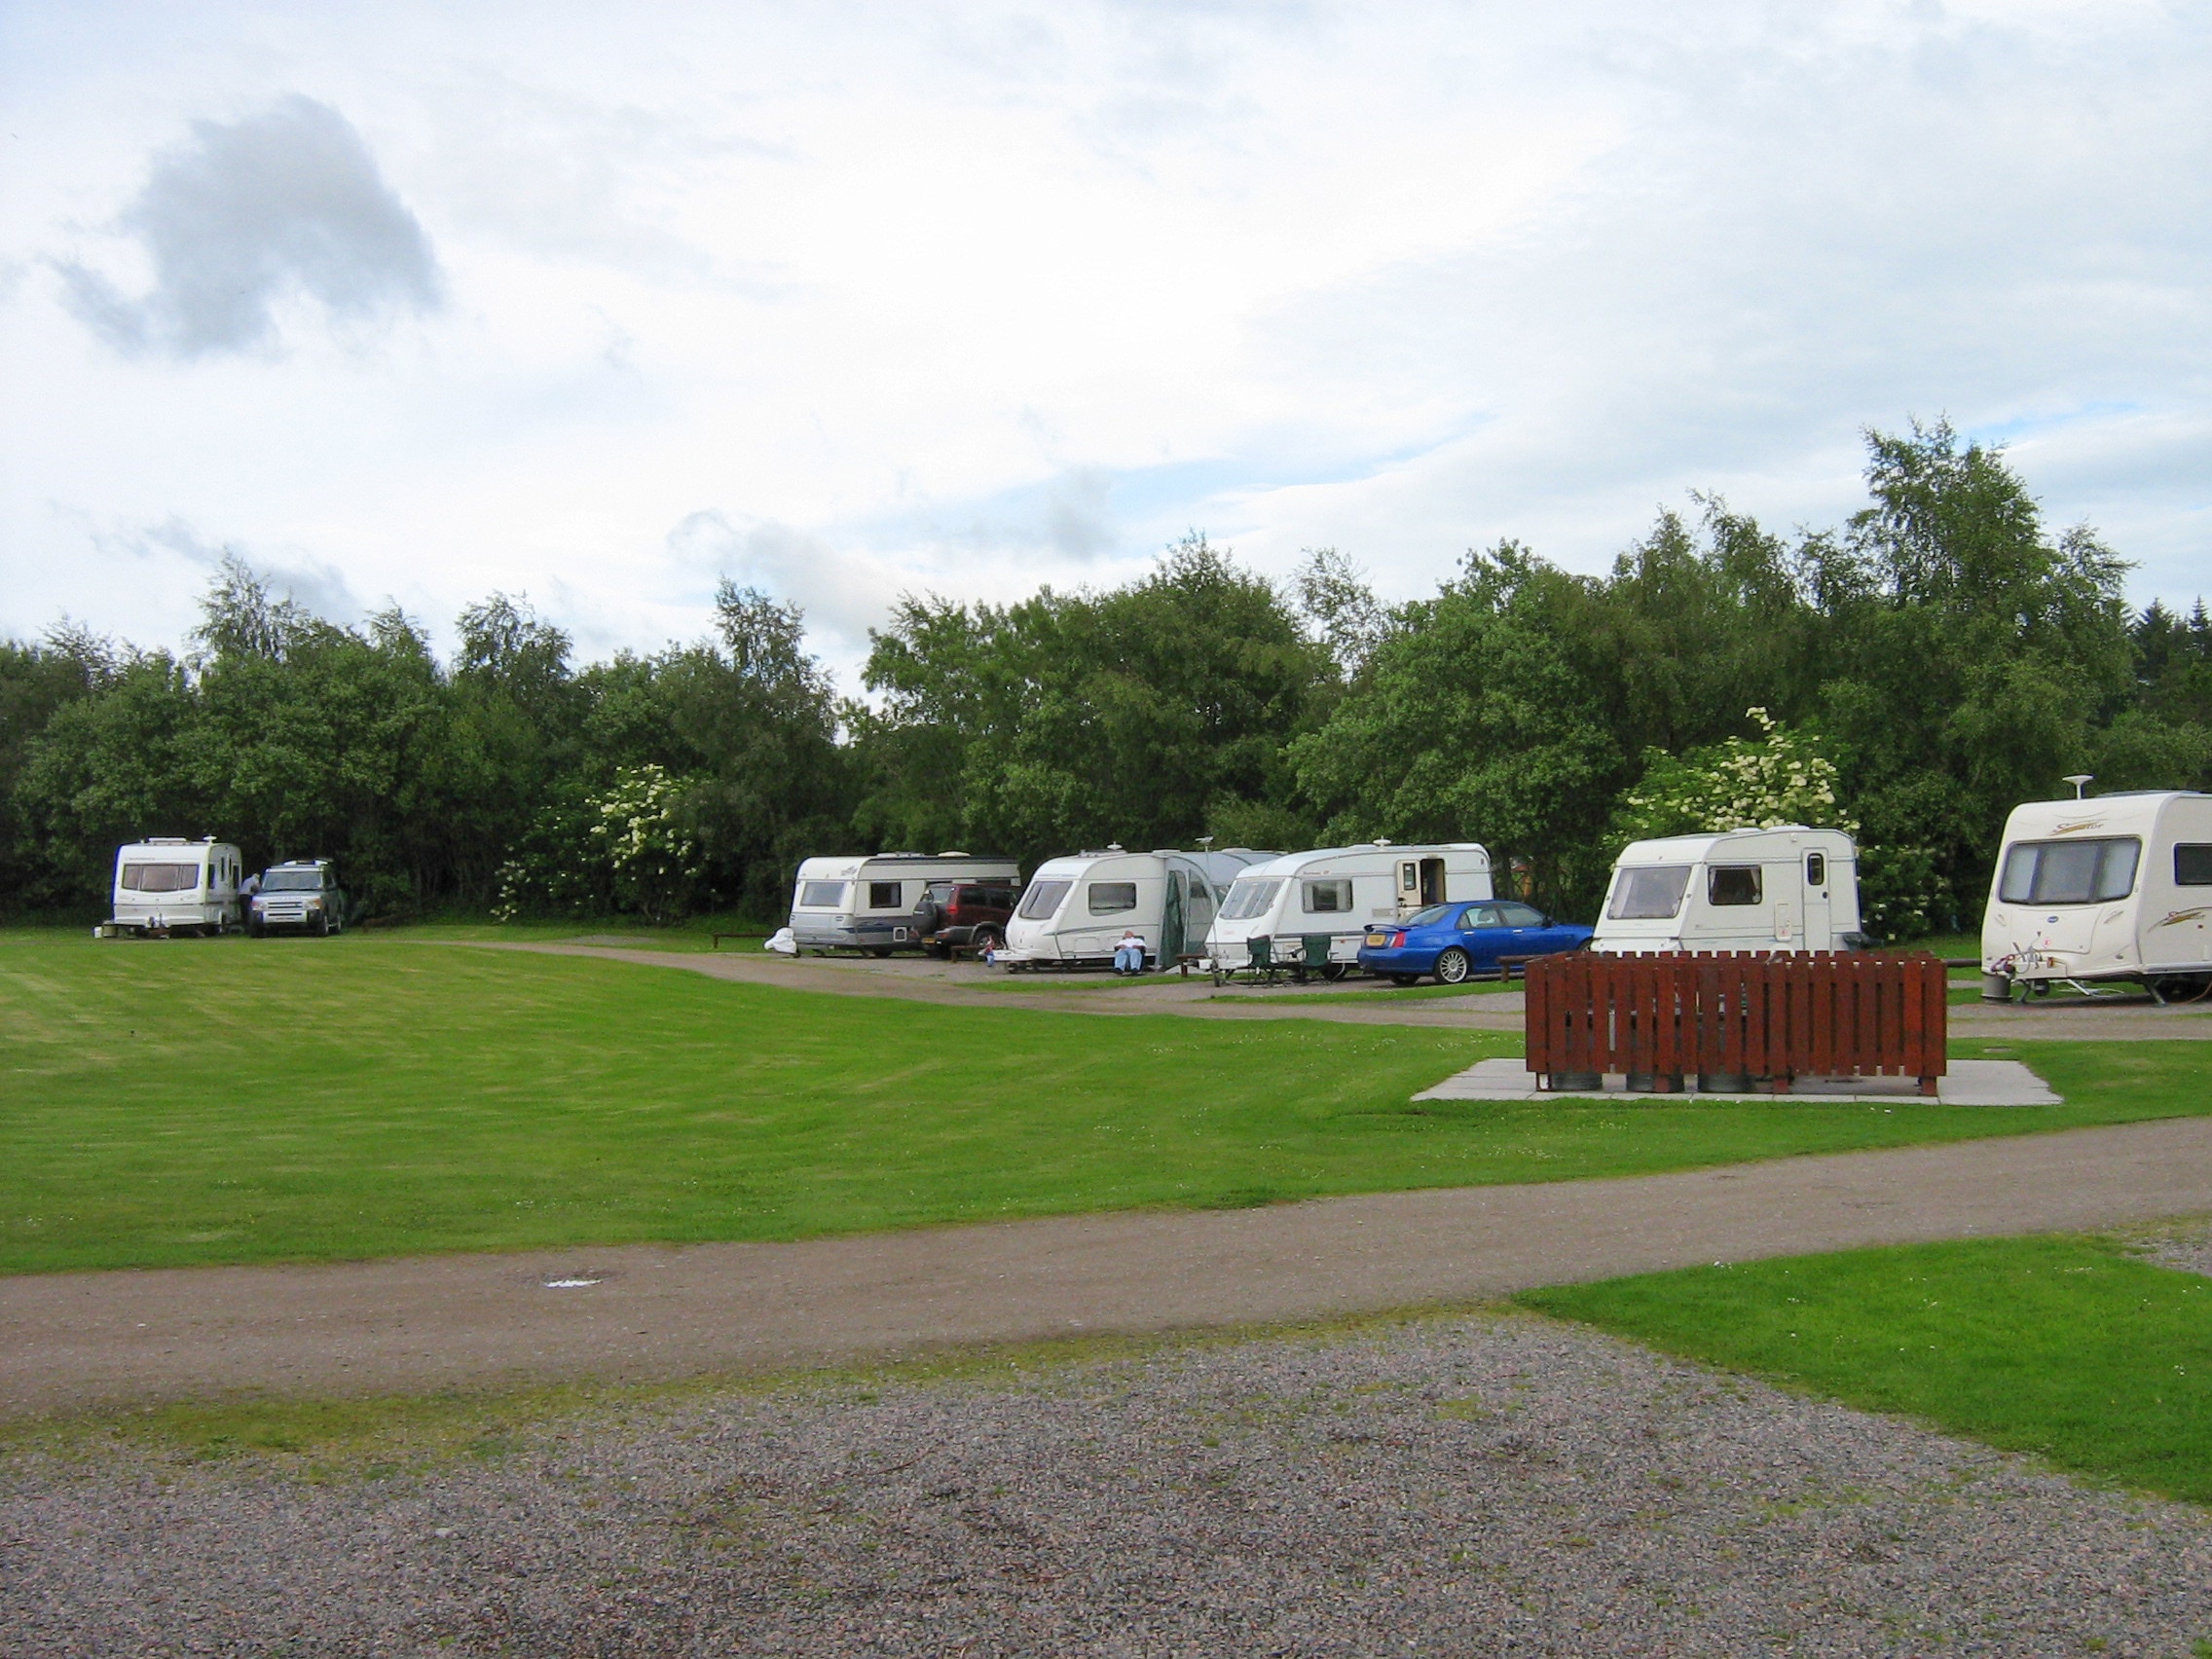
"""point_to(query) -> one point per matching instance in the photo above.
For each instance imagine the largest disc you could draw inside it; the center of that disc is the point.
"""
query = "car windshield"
(292, 881)
(1250, 897)
(1435, 916)
(1648, 892)
(1042, 898)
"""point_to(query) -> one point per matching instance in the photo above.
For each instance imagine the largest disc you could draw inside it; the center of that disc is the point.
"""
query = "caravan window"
(1645, 892)
(886, 895)
(1112, 897)
(820, 894)
(1815, 869)
(1249, 899)
(2192, 865)
(1333, 893)
(160, 877)
(1733, 884)
(1042, 898)
(2070, 873)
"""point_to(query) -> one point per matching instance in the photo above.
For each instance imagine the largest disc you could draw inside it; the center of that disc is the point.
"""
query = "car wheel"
(1405, 979)
(983, 940)
(320, 926)
(1453, 966)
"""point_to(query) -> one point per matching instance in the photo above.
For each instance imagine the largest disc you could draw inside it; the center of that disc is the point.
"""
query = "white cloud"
(248, 214)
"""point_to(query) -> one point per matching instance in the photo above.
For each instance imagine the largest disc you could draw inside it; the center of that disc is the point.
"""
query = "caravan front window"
(1646, 893)
(160, 877)
(822, 896)
(1042, 898)
(2070, 873)
(1249, 899)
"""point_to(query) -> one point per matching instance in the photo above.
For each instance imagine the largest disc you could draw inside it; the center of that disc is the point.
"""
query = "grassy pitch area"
(236, 1101)
(2065, 1348)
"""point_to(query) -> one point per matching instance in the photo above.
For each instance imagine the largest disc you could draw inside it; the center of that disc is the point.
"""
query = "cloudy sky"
(600, 303)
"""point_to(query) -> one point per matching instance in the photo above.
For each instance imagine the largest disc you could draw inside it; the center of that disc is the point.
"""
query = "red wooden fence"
(1770, 1018)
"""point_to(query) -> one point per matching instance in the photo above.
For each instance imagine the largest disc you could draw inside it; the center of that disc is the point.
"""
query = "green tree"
(1479, 717)
(1969, 656)
(1140, 714)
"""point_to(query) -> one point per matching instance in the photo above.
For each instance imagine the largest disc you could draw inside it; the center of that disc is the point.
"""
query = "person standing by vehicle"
(1128, 952)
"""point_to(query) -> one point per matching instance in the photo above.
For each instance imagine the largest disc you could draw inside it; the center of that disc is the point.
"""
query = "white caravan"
(1334, 893)
(172, 885)
(2114, 887)
(875, 903)
(1787, 888)
(1076, 907)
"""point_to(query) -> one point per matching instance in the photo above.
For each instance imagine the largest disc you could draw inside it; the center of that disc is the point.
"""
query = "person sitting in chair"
(1128, 952)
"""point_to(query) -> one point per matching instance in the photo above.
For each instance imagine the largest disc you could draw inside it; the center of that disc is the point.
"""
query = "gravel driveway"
(1467, 1486)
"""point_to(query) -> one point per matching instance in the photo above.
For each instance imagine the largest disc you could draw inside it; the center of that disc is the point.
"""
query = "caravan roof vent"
(1382, 841)
(954, 853)
(166, 841)
(1114, 847)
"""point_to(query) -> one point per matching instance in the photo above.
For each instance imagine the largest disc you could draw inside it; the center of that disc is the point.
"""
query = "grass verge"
(194, 1102)
(2060, 1347)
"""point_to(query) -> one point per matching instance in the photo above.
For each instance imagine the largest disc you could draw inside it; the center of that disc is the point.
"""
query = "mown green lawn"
(230, 1102)
(2060, 1347)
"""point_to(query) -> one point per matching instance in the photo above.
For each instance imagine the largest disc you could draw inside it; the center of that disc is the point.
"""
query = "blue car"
(1458, 940)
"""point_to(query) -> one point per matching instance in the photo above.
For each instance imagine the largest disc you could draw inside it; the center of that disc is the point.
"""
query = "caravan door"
(1420, 884)
(1817, 918)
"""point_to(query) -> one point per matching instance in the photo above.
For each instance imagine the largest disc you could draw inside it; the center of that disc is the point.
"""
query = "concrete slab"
(1970, 1083)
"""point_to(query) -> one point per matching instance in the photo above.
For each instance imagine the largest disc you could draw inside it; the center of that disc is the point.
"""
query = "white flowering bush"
(653, 860)
(1780, 777)
(624, 849)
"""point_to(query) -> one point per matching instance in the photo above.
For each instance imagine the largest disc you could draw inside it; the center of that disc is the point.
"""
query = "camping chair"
(1259, 961)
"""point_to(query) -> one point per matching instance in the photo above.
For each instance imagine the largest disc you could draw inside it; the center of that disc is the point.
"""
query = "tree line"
(1940, 656)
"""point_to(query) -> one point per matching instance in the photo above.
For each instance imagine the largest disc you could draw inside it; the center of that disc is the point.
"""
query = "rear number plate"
(1378, 938)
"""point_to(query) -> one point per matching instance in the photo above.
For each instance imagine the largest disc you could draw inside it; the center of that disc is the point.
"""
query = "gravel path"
(2184, 1245)
(1487, 1484)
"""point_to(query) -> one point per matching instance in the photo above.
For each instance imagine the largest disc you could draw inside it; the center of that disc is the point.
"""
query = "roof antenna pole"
(2080, 781)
